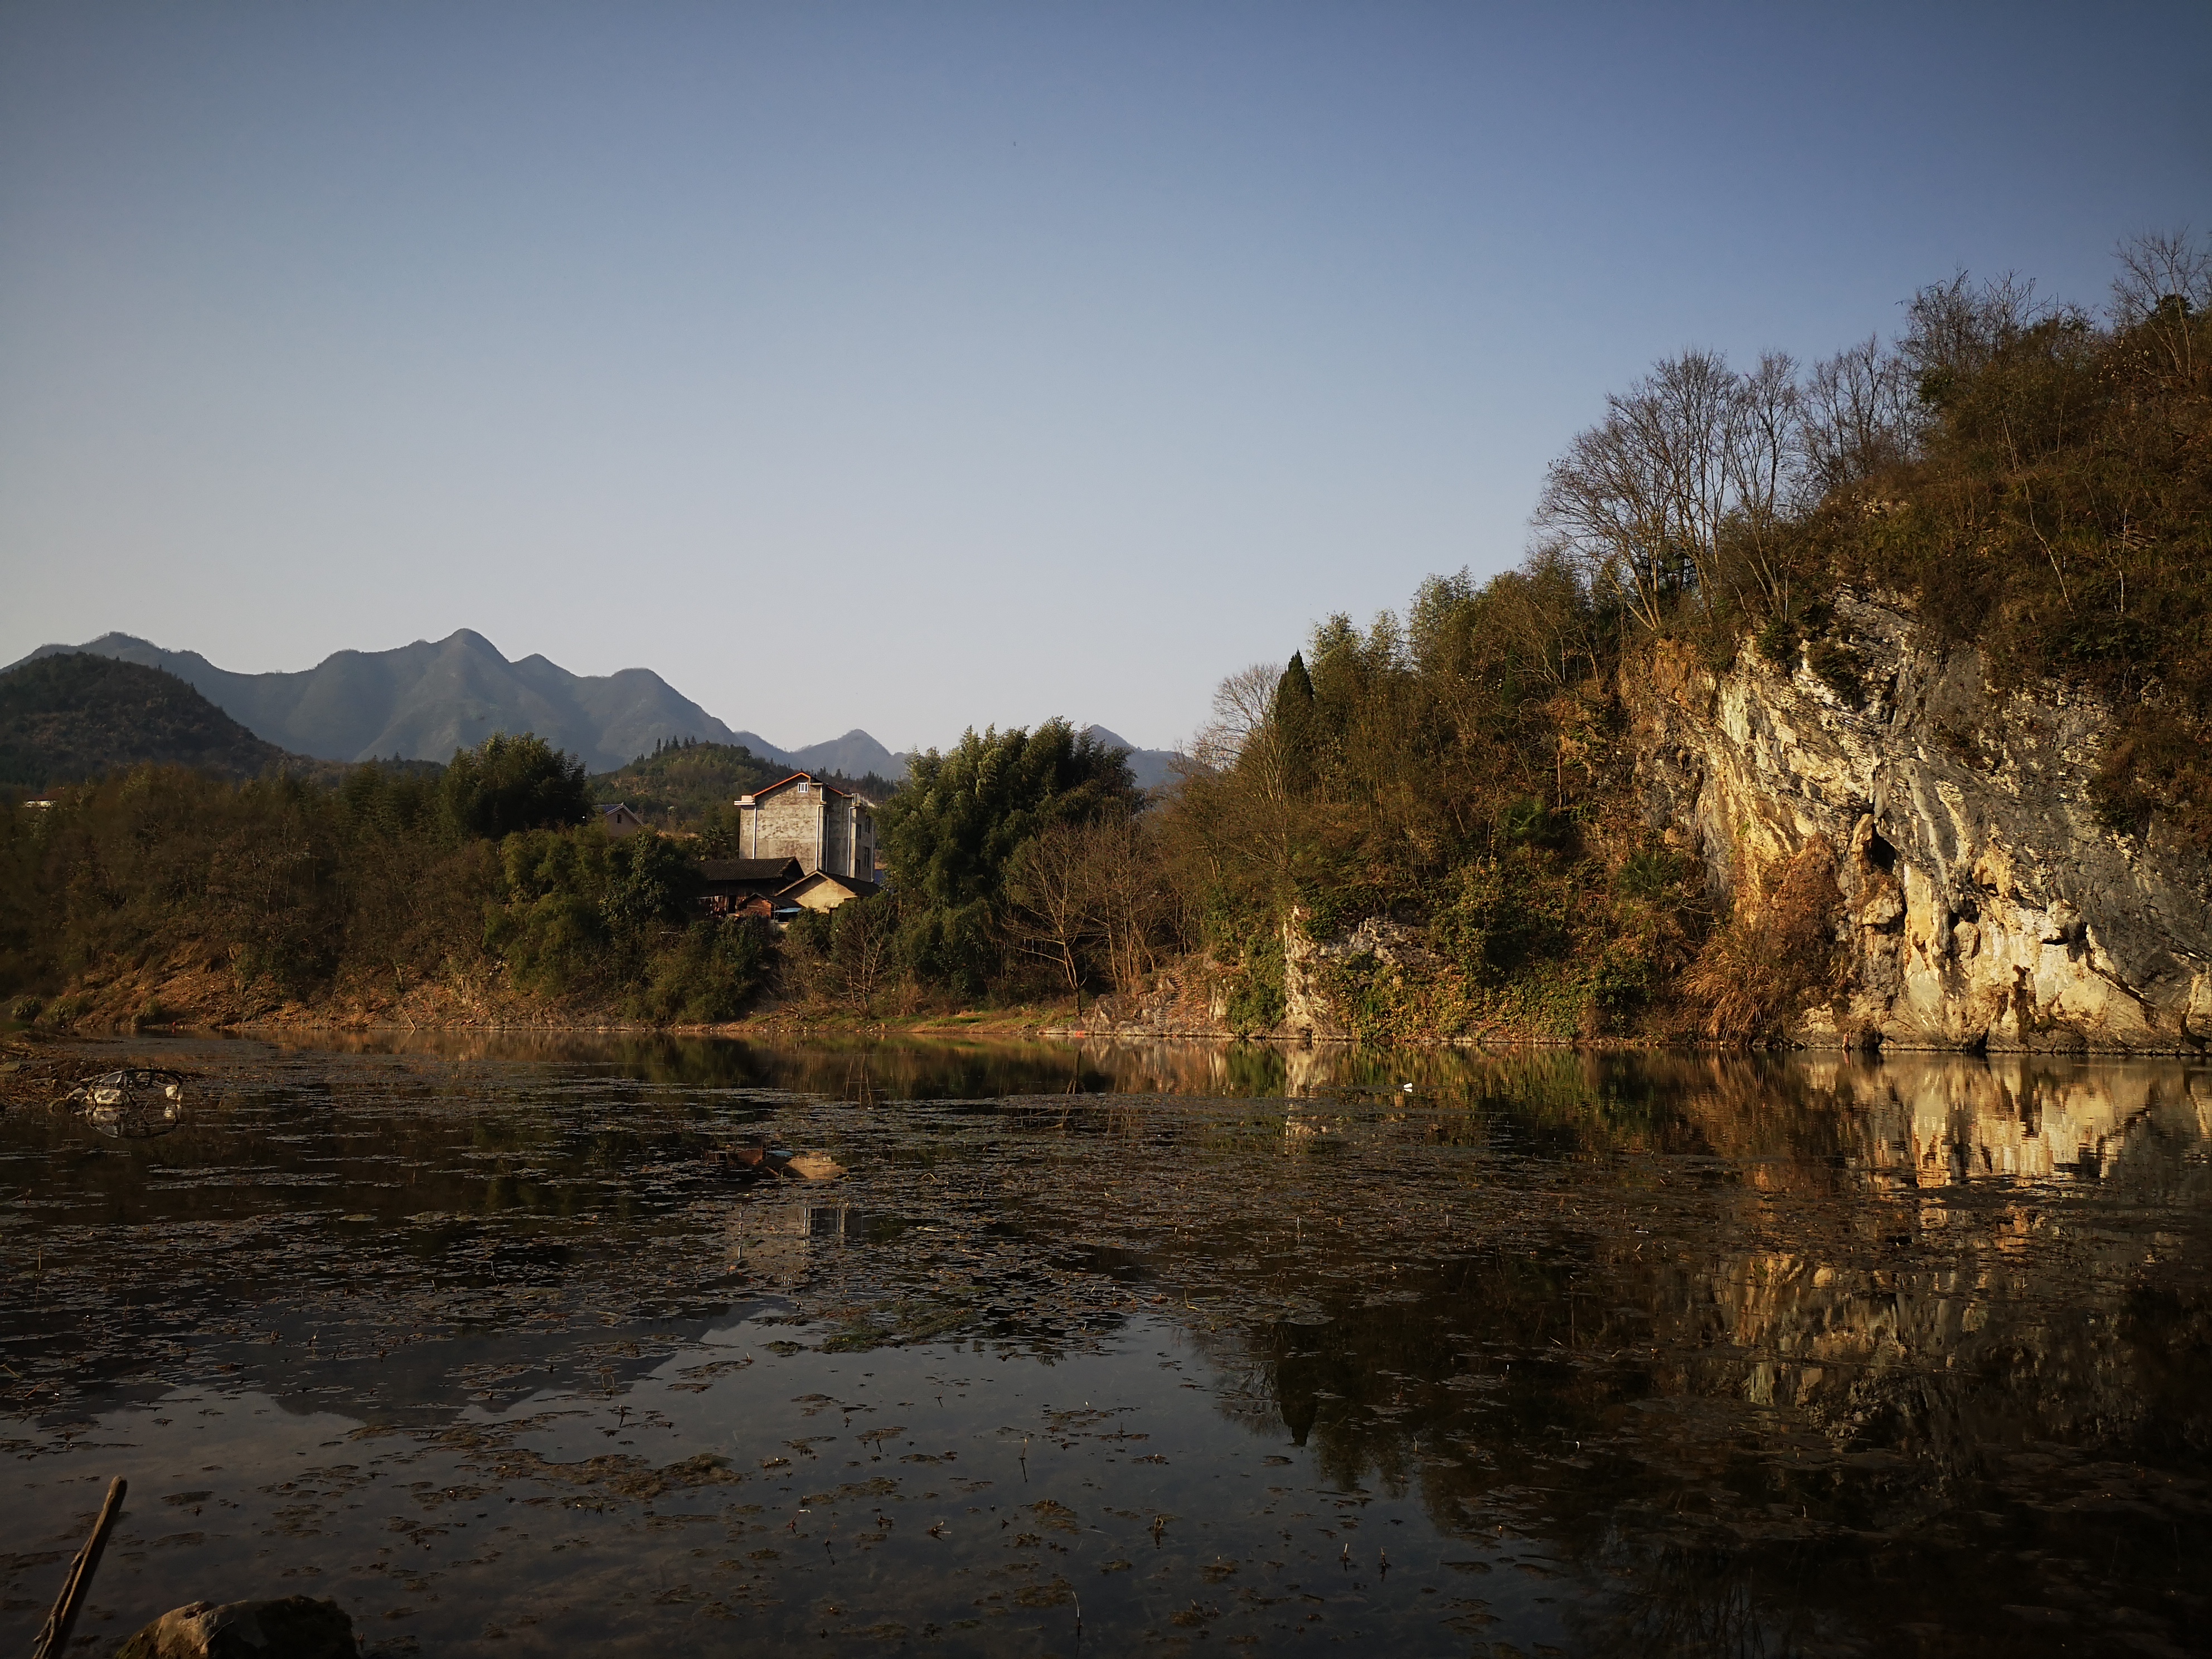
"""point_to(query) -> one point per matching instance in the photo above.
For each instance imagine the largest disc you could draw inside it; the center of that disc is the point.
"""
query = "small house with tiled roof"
(820, 890)
(736, 887)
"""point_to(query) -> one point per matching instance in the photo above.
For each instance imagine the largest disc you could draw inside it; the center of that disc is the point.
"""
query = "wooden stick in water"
(62, 1619)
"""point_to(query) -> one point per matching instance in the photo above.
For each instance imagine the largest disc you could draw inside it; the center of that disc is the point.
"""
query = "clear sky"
(911, 365)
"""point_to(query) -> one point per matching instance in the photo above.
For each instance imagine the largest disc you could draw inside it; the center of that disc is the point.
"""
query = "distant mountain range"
(421, 701)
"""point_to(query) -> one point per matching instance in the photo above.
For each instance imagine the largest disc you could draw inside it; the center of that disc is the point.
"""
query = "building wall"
(864, 842)
(787, 825)
(822, 830)
(822, 895)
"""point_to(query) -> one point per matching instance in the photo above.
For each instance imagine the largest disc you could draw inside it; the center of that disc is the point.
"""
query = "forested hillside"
(2018, 478)
(70, 719)
(485, 892)
(1435, 825)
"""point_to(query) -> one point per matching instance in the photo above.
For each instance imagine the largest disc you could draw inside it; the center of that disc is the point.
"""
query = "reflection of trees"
(851, 1070)
(391, 1211)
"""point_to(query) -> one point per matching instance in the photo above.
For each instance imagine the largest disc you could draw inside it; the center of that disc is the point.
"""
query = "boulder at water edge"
(290, 1628)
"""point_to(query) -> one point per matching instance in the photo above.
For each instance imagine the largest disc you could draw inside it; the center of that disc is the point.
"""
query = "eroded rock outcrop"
(1984, 904)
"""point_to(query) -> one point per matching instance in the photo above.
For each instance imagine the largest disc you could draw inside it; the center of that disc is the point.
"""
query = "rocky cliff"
(1984, 904)
(1978, 901)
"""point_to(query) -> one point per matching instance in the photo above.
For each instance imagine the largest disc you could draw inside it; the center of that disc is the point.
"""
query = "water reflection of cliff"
(1857, 1311)
(1876, 1222)
(1992, 1284)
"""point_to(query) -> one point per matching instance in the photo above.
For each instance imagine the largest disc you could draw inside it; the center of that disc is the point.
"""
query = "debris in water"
(749, 1161)
(136, 1103)
(54, 1639)
(756, 1160)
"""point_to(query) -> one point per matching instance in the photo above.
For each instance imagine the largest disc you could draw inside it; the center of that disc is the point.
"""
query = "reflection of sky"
(880, 1480)
(338, 327)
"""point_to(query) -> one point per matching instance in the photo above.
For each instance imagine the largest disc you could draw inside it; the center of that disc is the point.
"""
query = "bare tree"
(864, 939)
(1687, 417)
(2165, 281)
(1132, 903)
(1955, 328)
(1606, 506)
(1083, 896)
(1859, 416)
(1763, 445)
(1051, 914)
(1241, 727)
(1689, 455)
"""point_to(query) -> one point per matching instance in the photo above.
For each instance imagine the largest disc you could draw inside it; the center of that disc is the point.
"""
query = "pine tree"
(1294, 722)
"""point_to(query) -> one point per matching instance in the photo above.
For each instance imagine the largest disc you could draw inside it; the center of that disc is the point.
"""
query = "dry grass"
(1777, 956)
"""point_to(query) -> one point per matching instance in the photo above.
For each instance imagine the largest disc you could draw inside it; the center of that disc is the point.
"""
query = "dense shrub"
(953, 833)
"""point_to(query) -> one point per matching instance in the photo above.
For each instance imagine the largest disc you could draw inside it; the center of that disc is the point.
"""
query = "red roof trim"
(800, 777)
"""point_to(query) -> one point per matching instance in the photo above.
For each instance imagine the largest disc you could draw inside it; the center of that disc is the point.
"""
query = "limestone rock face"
(1984, 904)
(291, 1627)
(1306, 1010)
(1181, 1002)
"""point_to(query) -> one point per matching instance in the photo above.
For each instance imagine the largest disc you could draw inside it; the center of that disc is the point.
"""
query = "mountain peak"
(1151, 768)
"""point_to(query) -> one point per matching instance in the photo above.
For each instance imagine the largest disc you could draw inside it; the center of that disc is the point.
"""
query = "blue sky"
(915, 365)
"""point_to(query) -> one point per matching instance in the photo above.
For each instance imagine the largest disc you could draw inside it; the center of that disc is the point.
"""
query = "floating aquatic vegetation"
(1663, 1355)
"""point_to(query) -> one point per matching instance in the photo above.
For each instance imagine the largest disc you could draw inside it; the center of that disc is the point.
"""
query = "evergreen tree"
(506, 784)
(1294, 722)
(955, 828)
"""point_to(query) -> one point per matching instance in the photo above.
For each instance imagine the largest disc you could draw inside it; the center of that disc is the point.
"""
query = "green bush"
(709, 974)
(1259, 1001)
(953, 832)
(1505, 914)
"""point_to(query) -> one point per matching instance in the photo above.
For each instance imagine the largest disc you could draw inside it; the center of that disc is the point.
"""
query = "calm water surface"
(1120, 1351)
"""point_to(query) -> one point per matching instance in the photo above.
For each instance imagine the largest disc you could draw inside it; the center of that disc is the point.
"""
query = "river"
(1059, 1349)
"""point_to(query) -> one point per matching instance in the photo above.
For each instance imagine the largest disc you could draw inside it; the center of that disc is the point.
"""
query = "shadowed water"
(1123, 1350)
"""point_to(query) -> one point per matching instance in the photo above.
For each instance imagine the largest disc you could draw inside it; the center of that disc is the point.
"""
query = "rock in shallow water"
(290, 1628)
